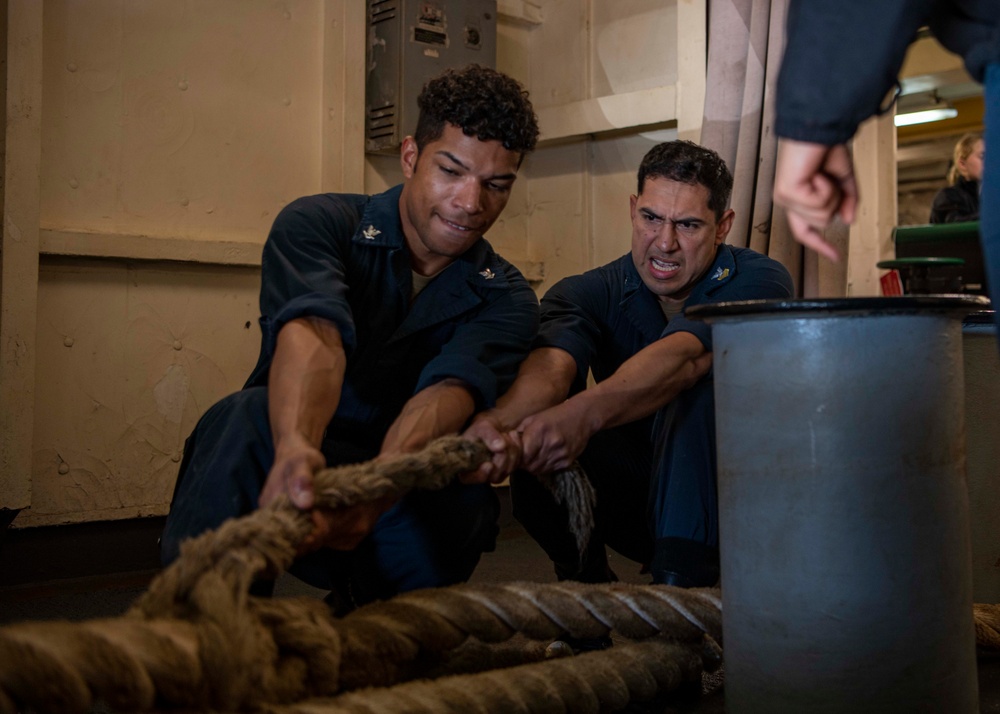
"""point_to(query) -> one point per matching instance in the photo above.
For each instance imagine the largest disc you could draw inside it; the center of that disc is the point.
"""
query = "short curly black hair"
(689, 163)
(483, 103)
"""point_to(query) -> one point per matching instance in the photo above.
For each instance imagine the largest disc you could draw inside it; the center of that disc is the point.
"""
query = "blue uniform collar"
(381, 227)
(460, 287)
(641, 305)
(722, 270)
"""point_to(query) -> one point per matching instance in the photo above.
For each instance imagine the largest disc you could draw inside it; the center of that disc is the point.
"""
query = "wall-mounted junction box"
(410, 42)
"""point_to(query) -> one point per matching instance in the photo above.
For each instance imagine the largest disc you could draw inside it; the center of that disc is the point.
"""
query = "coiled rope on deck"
(197, 640)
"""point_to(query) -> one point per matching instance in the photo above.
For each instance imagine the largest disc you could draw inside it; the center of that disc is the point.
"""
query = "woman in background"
(959, 201)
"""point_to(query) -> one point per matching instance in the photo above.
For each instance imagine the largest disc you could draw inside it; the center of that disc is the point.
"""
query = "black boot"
(684, 563)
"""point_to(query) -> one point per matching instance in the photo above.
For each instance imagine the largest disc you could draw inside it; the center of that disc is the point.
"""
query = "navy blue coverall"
(344, 258)
(654, 477)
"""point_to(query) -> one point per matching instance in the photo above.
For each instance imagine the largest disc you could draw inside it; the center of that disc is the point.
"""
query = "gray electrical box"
(410, 42)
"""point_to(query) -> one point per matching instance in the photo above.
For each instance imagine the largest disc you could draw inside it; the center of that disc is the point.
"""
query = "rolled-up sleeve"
(303, 268)
(485, 352)
(841, 59)
(570, 321)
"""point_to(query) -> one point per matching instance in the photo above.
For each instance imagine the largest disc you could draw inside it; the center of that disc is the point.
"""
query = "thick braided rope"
(440, 619)
(263, 542)
(987, 622)
(594, 682)
(433, 468)
(291, 649)
(196, 638)
(573, 489)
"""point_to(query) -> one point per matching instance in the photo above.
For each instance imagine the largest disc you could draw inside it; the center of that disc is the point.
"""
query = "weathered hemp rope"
(197, 640)
(593, 682)
(987, 621)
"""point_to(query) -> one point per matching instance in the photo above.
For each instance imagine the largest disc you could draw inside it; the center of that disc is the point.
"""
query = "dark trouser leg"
(225, 462)
(433, 539)
(617, 463)
(684, 495)
(429, 539)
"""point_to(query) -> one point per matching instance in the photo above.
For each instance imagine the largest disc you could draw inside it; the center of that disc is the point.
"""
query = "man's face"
(674, 236)
(971, 167)
(455, 189)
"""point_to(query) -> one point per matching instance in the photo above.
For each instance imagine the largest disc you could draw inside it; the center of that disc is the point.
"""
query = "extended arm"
(304, 383)
(305, 379)
(437, 410)
(654, 376)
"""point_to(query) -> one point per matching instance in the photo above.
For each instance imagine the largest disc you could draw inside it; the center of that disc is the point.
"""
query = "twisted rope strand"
(440, 619)
(196, 639)
(987, 622)
(594, 682)
(433, 468)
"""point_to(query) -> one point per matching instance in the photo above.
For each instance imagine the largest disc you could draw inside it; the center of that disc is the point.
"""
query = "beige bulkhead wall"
(171, 135)
(605, 81)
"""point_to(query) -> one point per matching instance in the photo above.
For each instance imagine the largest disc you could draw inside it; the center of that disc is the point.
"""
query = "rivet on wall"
(175, 457)
(68, 341)
(182, 85)
(73, 183)
(286, 101)
(185, 201)
(177, 344)
(288, 15)
(71, 67)
(64, 468)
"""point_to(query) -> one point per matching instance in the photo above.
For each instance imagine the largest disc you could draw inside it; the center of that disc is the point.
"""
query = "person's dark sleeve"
(841, 59)
(303, 270)
(570, 320)
(486, 352)
(765, 279)
(970, 28)
(949, 207)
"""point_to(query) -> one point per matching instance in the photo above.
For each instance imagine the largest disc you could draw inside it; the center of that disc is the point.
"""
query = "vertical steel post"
(982, 428)
(844, 518)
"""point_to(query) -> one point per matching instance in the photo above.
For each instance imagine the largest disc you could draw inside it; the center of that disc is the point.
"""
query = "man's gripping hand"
(815, 183)
(295, 465)
(504, 445)
(553, 439)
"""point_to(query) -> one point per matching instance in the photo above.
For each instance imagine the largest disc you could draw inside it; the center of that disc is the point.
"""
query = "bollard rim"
(957, 306)
(985, 317)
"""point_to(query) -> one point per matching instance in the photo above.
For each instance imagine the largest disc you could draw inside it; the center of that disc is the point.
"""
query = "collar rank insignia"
(721, 274)
(488, 274)
(370, 232)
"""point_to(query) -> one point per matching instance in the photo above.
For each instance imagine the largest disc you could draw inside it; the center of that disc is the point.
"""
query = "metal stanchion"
(844, 518)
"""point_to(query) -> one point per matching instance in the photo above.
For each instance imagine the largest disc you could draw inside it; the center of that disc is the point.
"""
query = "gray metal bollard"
(844, 520)
(982, 428)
